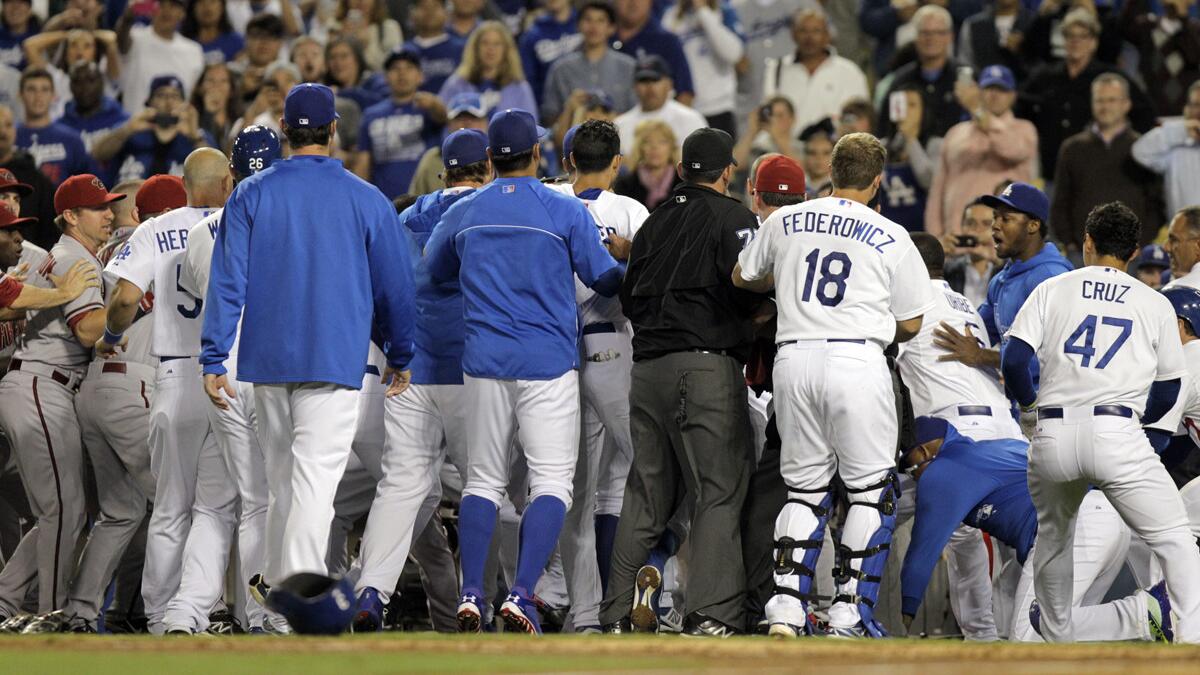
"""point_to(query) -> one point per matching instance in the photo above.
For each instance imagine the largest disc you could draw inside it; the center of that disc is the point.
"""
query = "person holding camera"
(971, 255)
(912, 159)
(157, 139)
(769, 130)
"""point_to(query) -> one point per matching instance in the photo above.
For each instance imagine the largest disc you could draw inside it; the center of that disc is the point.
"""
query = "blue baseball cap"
(1154, 256)
(998, 76)
(164, 81)
(255, 148)
(569, 142)
(463, 147)
(512, 132)
(1021, 197)
(466, 103)
(314, 604)
(309, 106)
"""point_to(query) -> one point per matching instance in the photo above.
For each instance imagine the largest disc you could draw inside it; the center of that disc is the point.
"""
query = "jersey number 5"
(1081, 340)
(831, 286)
(188, 313)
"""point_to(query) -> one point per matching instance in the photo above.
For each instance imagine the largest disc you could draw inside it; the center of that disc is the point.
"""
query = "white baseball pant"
(1099, 550)
(37, 413)
(113, 406)
(1113, 454)
(605, 381)
(1190, 494)
(836, 413)
(195, 499)
(306, 431)
(577, 543)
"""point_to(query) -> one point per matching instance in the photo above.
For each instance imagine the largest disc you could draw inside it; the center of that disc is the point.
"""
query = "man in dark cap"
(653, 82)
(688, 411)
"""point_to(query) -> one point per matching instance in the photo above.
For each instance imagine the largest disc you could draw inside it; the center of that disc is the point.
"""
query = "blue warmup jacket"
(438, 342)
(516, 245)
(980, 483)
(312, 253)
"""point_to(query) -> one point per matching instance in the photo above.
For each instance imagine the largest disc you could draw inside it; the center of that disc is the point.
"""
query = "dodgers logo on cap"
(1007, 191)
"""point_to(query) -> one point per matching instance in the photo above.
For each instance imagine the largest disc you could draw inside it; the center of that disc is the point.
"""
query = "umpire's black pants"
(691, 432)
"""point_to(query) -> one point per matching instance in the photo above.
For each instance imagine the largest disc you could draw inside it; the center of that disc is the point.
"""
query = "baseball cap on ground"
(779, 174)
(10, 219)
(651, 67)
(255, 148)
(309, 106)
(82, 192)
(9, 183)
(1021, 197)
(1154, 256)
(998, 76)
(314, 604)
(512, 132)
(164, 81)
(160, 193)
(707, 149)
(466, 103)
(463, 147)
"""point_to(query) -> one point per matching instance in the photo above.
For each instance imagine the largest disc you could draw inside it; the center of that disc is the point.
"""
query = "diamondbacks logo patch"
(98, 184)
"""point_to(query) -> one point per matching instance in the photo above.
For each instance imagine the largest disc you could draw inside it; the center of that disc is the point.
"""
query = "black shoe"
(119, 626)
(699, 625)
(552, 618)
(223, 622)
(618, 628)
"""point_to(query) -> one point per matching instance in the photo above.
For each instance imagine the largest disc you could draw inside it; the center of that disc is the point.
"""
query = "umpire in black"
(688, 412)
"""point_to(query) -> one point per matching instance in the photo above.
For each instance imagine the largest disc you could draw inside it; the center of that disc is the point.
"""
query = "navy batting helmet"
(314, 604)
(1186, 301)
(254, 149)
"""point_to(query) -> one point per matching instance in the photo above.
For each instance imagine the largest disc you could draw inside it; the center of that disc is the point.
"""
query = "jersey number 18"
(831, 285)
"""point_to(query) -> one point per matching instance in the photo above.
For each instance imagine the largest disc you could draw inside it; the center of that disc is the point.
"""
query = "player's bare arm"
(618, 246)
(69, 286)
(758, 286)
(908, 328)
(122, 309)
(964, 347)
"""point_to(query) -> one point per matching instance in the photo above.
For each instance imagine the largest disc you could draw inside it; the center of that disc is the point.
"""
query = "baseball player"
(848, 282)
(113, 407)
(1107, 343)
(37, 410)
(305, 388)
(254, 149)
(1186, 301)
(427, 422)
(191, 526)
(983, 483)
(17, 297)
(515, 246)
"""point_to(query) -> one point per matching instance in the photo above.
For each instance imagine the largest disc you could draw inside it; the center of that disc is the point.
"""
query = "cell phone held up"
(897, 106)
(966, 241)
(165, 120)
(764, 113)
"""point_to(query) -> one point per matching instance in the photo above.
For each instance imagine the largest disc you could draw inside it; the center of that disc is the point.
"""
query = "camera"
(966, 241)
(165, 120)
(764, 113)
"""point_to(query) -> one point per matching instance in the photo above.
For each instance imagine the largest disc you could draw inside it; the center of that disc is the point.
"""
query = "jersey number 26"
(831, 285)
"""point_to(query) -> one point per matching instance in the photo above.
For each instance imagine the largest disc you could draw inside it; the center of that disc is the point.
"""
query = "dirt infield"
(363, 655)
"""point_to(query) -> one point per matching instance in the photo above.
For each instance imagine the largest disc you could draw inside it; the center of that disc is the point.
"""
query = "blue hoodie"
(980, 483)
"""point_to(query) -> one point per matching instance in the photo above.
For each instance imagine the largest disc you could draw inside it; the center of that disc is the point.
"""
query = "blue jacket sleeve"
(441, 254)
(941, 506)
(1163, 395)
(592, 262)
(987, 312)
(392, 287)
(226, 284)
(1015, 359)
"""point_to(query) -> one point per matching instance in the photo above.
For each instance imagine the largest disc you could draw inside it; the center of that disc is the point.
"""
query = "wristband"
(1028, 408)
(112, 338)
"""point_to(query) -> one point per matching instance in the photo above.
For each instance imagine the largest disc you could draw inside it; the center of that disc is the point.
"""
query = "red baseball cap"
(8, 182)
(160, 193)
(83, 191)
(10, 219)
(780, 174)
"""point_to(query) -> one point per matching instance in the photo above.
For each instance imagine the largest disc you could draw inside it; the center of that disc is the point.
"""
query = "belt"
(165, 359)
(602, 327)
(63, 378)
(978, 410)
(830, 340)
(717, 352)
(371, 370)
(114, 367)
(1100, 410)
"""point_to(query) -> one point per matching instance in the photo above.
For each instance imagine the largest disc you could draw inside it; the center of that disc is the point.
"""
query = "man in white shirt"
(157, 49)
(816, 81)
(653, 84)
(1183, 245)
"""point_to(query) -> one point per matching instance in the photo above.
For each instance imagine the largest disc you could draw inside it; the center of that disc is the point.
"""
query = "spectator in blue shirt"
(395, 133)
(207, 22)
(157, 139)
(56, 148)
(90, 111)
(491, 67)
(17, 22)
(639, 33)
(440, 50)
(551, 36)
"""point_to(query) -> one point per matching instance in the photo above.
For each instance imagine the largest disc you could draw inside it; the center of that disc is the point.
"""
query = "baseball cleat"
(259, 589)
(369, 616)
(620, 627)
(16, 624)
(699, 625)
(57, 622)
(470, 614)
(176, 630)
(520, 615)
(847, 632)
(644, 615)
(780, 629)
(223, 622)
(670, 621)
(1158, 607)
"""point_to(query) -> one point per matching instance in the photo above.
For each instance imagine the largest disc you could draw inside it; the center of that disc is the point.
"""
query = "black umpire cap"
(708, 149)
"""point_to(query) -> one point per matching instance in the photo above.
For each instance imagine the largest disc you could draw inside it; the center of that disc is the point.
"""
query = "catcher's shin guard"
(881, 496)
(794, 577)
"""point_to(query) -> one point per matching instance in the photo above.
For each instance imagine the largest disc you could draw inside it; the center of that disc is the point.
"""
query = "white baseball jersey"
(154, 255)
(1185, 415)
(937, 385)
(48, 336)
(614, 214)
(842, 271)
(1101, 337)
(197, 263)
